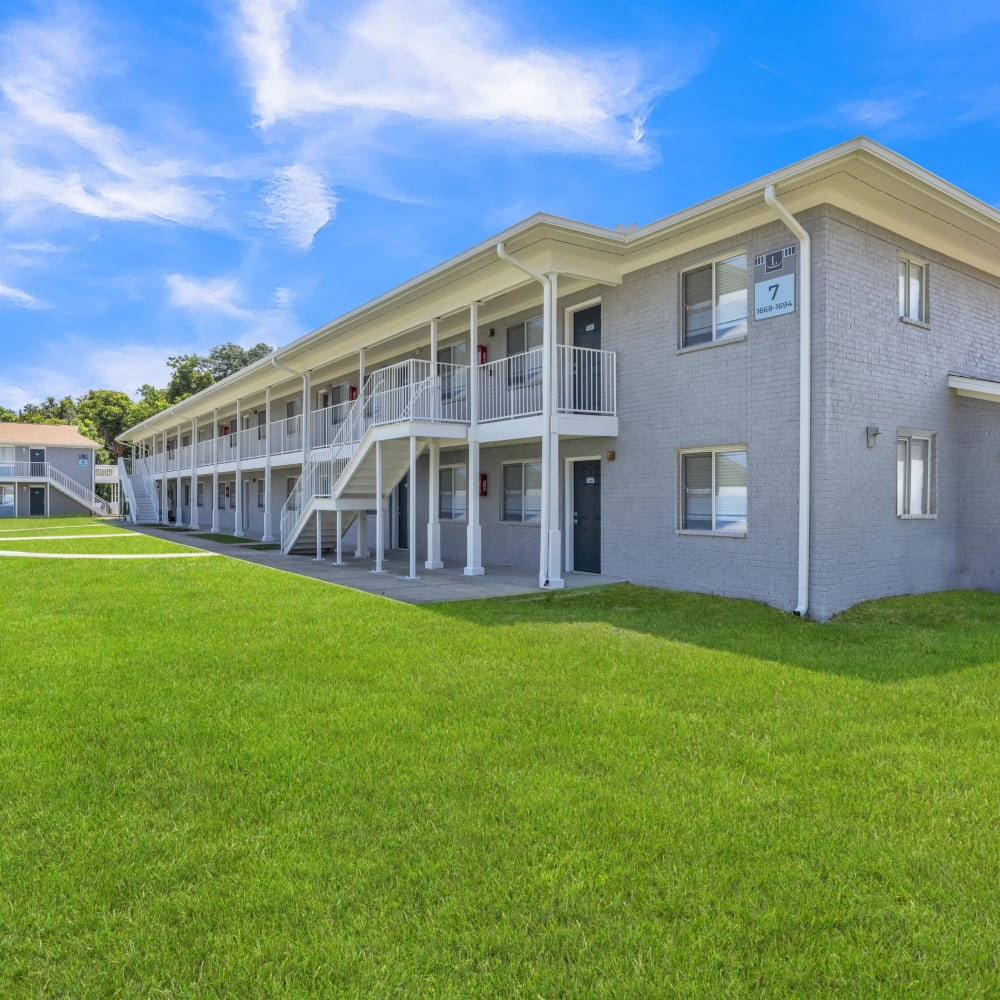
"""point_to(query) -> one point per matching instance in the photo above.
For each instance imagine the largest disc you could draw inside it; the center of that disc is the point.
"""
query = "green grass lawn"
(222, 781)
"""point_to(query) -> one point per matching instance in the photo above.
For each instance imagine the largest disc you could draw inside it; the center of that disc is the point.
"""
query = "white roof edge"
(976, 388)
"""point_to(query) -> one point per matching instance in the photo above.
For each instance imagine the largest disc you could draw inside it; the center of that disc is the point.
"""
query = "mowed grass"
(222, 781)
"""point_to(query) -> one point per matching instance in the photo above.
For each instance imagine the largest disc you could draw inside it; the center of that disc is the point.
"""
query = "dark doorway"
(587, 391)
(36, 501)
(587, 517)
(37, 458)
(403, 513)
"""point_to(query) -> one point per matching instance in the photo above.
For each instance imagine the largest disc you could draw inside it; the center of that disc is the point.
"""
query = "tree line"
(103, 414)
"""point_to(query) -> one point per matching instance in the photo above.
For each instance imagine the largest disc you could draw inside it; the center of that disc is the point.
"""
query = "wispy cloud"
(55, 154)
(875, 113)
(299, 204)
(19, 298)
(443, 62)
(214, 295)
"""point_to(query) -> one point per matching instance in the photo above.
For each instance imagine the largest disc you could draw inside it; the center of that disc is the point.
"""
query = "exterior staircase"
(143, 507)
(344, 477)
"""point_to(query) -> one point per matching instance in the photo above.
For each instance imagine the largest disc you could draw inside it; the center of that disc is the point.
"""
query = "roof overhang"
(975, 388)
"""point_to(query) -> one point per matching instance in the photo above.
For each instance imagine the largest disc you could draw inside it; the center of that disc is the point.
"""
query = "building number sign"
(774, 284)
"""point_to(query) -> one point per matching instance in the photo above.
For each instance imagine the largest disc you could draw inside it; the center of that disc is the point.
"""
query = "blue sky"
(178, 175)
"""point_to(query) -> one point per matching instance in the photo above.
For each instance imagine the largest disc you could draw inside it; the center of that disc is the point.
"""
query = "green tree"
(7, 416)
(190, 375)
(102, 414)
(52, 411)
(227, 358)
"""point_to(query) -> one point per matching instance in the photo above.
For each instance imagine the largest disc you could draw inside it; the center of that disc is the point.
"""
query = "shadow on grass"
(884, 641)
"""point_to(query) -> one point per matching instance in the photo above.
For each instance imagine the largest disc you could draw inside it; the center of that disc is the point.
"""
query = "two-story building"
(786, 393)
(50, 470)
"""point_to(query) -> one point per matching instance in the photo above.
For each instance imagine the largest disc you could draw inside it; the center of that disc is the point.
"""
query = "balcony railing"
(585, 381)
(253, 442)
(286, 435)
(206, 452)
(324, 425)
(511, 387)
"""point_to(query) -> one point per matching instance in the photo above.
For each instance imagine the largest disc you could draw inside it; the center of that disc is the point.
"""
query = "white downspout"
(547, 544)
(805, 391)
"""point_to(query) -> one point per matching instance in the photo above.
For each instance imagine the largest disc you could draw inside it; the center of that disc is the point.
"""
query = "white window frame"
(522, 371)
(906, 265)
(503, 482)
(261, 494)
(713, 451)
(904, 473)
(200, 495)
(714, 265)
(450, 516)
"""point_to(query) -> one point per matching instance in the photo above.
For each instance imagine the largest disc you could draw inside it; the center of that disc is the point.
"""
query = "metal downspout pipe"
(805, 392)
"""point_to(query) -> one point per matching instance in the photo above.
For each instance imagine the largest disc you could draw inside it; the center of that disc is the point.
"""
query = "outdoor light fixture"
(872, 432)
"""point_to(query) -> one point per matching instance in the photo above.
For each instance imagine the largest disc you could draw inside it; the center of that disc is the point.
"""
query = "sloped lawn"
(219, 781)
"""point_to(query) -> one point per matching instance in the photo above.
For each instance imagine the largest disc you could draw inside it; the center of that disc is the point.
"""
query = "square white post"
(550, 485)
(433, 513)
(215, 471)
(163, 480)
(473, 531)
(268, 536)
(379, 511)
(411, 511)
(194, 474)
(340, 538)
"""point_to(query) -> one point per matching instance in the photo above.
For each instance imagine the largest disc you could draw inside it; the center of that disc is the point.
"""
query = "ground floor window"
(915, 486)
(223, 494)
(714, 487)
(522, 492)
(260, 495)
(6, 500)
(232, 496)
(201, 494)
(452, 493)
(187, 494)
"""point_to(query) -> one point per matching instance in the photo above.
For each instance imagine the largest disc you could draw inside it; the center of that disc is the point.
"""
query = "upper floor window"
(912, 290)
(915, 487)
(521, 339)
(715, 301)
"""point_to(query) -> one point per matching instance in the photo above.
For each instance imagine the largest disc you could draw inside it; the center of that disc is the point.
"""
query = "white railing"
(106, 473)
(206, 452)
(185, 456)
(47, 471)
(585, 380)
(128, 491)
(406, 391)
(225, 448)
(324, 425)
(286, 435)
(511, 387)
(253, 443)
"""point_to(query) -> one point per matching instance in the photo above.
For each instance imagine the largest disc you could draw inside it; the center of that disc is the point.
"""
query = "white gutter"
(805, 391)
(547, 338)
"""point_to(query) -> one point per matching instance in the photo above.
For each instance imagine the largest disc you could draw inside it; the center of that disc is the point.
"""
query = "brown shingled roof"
(56, 435)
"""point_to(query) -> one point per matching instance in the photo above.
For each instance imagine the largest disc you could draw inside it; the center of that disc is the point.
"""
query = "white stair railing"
(146, 481)
(129, 492)
(401, 392)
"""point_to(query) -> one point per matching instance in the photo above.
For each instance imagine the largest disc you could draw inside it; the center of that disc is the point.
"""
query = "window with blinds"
(452, 493)
(714, 485)
(715, 301)
(912, 290)
(915, 485)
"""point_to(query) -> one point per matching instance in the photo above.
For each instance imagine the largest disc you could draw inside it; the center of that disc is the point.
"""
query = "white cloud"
(872, 113)
(54, 154)
(19, 298)
(299, 204)
(221, 295)
(441, 61)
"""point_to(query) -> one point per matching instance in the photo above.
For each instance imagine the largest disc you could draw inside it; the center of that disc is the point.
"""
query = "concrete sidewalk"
(432, 586)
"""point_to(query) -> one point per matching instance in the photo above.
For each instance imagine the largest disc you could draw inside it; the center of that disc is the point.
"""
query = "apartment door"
(587, 516)
(403, 513)
(587, 367)
(36, 501)
(37, 458)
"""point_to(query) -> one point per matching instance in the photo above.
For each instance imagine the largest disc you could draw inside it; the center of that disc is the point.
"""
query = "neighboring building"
(50, 470)
(786, 393)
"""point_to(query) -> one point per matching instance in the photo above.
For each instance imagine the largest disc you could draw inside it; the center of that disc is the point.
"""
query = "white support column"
(379, 511)
(306, 428)
(238, 526)
(433, 500)
(550, 486)
(194, 474)
(178, 492)
(340, 538)
(411, 509)
(319, 536)
(268, 536)
(215, 471)
(163, 485)
(361, 370)
(474, 530)
(361, 543)
(436, 412)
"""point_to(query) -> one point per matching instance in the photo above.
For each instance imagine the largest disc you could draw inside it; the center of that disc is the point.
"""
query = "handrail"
(127, 489)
